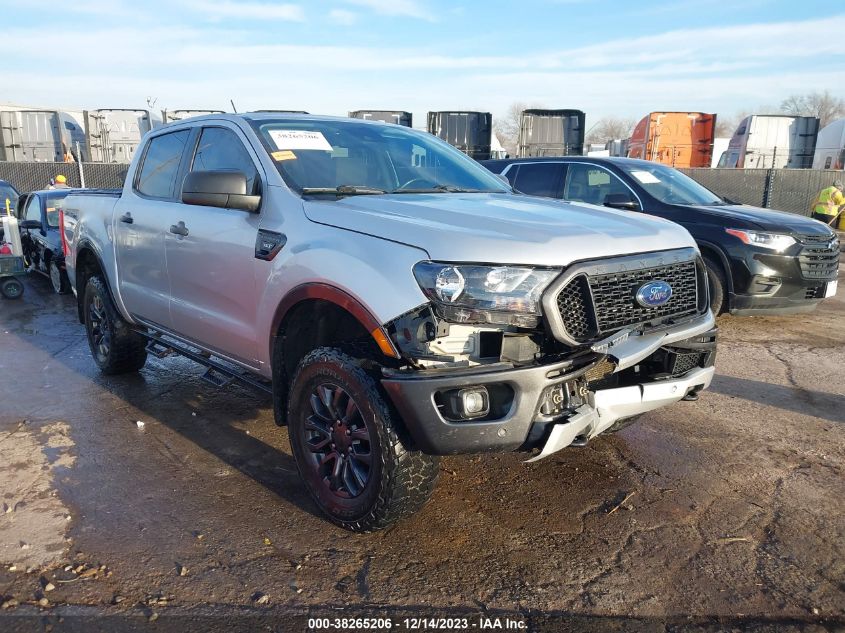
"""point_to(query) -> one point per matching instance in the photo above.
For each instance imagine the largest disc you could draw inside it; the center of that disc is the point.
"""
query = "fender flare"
(87, 244)
(729, 278)
(340, 298)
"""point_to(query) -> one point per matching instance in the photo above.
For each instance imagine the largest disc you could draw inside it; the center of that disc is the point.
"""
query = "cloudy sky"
(605, 57)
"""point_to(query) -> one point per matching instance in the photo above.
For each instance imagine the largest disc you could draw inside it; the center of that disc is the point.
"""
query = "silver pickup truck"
(399, 301)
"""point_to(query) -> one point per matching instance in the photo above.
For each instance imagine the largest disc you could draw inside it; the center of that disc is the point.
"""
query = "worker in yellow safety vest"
(826, 206)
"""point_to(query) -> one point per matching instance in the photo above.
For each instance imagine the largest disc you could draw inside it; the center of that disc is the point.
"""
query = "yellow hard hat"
(61, 179)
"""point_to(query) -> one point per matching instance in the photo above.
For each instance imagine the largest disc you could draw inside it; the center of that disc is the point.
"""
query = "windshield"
(671, 186)
(357, 158)
(54, 203)
(8, 193)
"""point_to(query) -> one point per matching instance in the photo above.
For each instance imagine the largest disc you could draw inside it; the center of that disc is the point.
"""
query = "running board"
(159, 350)
(217, 378)
(217, 373)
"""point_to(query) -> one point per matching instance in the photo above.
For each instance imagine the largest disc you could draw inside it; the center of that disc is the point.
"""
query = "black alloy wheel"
(100, 329)
(339, 440)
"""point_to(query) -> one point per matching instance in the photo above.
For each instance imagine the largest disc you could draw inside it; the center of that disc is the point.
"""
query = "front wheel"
(347, 448)
(716, 282)
(116, 348)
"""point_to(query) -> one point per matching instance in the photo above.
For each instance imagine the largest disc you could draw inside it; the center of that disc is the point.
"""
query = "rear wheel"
(11, 288)
(116, 348)
(58, 278)
(716, 282)
(347, 448)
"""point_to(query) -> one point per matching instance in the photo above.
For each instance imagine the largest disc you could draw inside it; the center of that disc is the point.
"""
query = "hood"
(746, 216)
(500, 228)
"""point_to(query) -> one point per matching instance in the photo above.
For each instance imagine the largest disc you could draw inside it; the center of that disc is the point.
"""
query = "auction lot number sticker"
(482, 623)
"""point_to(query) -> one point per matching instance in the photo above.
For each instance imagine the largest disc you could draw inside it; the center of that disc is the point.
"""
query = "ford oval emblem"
(654, 294)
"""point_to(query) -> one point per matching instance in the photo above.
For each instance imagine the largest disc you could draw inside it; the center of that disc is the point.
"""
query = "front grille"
(682, 363)
(599, 304)
(815, 238)
(819, 261)
(574, 305)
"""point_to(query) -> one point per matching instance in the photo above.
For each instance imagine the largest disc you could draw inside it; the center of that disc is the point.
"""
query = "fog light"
(473, 402)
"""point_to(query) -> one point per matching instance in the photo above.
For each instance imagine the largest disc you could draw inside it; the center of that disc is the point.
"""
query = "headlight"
(774, 241)
(485, 294)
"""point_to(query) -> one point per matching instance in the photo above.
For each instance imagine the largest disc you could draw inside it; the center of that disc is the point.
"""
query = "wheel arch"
(716, 252)
(88, 263)
(316, 315)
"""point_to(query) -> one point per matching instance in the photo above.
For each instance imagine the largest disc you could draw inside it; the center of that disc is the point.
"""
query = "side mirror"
(32, 225)
(621, 201)
(223, 189)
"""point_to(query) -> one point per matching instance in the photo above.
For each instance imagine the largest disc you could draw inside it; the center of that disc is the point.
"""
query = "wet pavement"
(721, 514)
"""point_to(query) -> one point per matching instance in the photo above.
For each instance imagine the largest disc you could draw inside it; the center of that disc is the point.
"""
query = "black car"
(38, 213)
(759, 260)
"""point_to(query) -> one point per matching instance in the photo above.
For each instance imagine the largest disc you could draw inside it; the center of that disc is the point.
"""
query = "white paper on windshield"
(645, 177)
(300, 139)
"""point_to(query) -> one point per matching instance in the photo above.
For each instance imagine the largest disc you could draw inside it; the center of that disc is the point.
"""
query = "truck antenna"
(234, 109)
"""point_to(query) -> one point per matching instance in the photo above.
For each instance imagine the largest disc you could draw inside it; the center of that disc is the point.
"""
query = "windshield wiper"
(443, 189)
(344, 190)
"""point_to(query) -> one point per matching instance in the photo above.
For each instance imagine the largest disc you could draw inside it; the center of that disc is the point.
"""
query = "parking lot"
(157, 494)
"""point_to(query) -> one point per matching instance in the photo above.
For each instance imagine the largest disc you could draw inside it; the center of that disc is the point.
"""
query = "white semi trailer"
(772, 141)
(830, 146)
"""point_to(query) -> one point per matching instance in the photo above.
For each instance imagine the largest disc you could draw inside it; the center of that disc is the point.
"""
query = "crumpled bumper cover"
(607, 406)
(413, 394)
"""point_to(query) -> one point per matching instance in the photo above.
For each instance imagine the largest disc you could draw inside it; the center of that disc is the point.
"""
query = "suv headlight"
(507, 295)
(773, 241)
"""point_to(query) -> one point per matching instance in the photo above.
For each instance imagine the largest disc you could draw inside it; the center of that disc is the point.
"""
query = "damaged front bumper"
(551, 406)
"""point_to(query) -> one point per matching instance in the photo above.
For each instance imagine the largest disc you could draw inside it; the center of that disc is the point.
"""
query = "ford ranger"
(398, 300)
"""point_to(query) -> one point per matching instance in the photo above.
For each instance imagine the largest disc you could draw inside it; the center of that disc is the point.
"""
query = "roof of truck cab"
(273, 116)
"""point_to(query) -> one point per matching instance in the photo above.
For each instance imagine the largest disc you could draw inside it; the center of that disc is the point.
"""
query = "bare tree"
(610, 128)
(823, 105)
(726, 125)
(507, 127)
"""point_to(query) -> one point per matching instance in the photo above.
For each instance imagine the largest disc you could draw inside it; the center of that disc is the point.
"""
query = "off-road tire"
(58, 278)
(125, 349)
(716, 282)
(400, 480)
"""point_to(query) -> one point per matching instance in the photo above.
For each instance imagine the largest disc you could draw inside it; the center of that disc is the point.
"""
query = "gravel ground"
(721, 514)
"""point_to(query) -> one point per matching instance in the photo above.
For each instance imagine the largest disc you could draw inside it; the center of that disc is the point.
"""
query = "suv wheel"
(116, 348)
(716, 281)
(345, 442)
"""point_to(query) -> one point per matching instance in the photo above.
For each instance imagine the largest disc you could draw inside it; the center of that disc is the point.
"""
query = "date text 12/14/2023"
(418, 624)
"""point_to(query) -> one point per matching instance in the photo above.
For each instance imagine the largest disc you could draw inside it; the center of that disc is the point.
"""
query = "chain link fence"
(795, 190)
(34, 176)
(792, 190)
(747, 186)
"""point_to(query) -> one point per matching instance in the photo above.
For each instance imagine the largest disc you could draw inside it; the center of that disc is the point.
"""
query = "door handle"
(179, 229)
(127, 218)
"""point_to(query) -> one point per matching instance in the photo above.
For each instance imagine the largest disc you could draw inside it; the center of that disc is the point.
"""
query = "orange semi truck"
(677, 139)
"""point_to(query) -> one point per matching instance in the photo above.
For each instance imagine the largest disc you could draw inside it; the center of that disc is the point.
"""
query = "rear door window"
(157, 178)
(539, 179)
(220, 149)
(592, 184)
